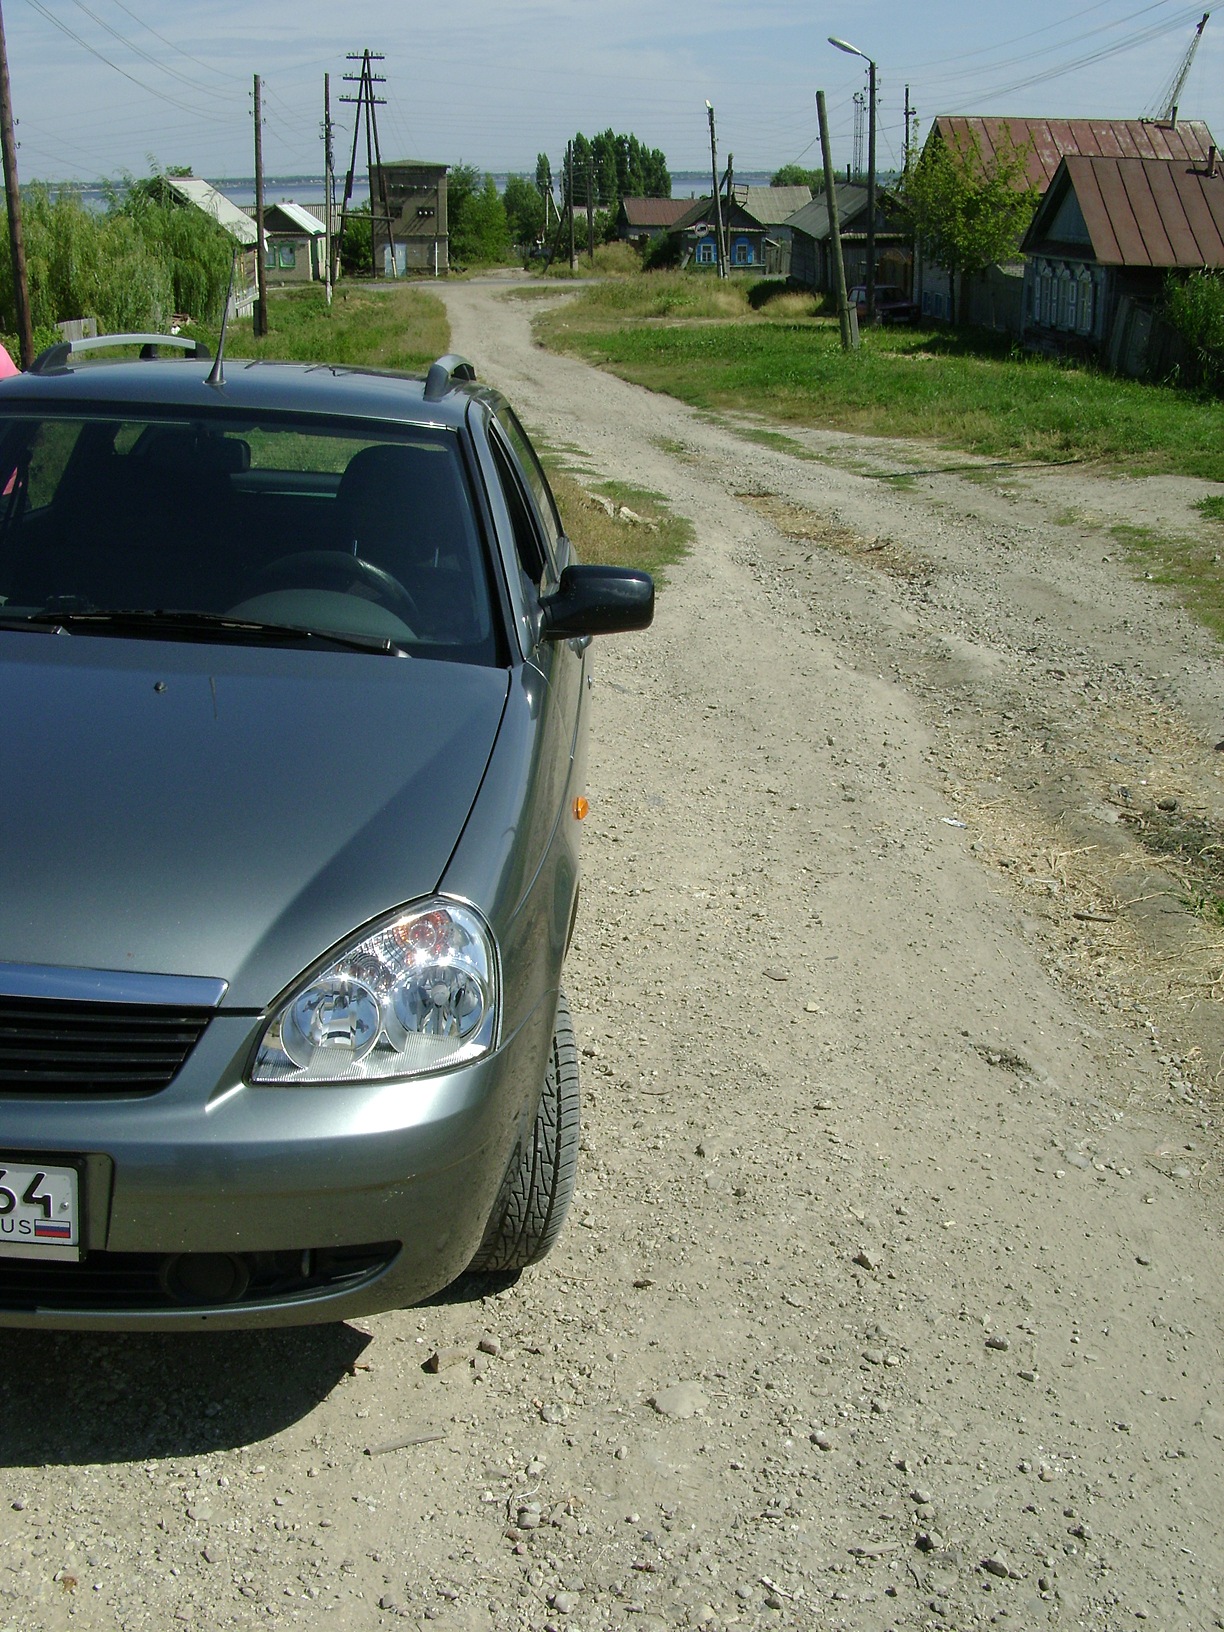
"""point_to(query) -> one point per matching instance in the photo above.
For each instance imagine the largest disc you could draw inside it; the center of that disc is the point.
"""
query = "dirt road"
(891, 1296)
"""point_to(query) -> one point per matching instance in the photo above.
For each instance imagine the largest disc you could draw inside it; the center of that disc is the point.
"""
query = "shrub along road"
(890, 1295)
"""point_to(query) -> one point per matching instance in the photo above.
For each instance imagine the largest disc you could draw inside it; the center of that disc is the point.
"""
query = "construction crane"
(1167, 114)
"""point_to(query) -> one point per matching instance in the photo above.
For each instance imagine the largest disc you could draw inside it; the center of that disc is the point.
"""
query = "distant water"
(310, 189)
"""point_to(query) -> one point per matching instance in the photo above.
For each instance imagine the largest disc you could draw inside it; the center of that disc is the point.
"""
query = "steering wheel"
(336, 569)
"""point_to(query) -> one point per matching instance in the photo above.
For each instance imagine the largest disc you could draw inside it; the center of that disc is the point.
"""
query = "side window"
(536, 479)
(527, 542)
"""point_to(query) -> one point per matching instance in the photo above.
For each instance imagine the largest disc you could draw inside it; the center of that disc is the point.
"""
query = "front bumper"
(379, 1194)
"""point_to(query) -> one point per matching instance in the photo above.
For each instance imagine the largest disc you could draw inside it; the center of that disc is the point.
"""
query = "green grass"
(964, 390)
(654, 543)
(1212, 508)
(1190, 567)
(779, 442)
(377, 326)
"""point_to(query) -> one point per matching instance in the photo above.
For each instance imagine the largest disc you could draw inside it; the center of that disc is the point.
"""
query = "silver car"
(293, 674)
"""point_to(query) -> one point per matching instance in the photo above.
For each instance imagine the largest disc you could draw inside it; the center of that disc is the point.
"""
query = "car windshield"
(262, 528)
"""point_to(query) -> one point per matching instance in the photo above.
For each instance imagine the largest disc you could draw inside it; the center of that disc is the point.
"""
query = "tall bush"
(1194, 305)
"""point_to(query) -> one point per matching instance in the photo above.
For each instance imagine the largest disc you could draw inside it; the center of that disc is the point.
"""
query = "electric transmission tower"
(367, 102)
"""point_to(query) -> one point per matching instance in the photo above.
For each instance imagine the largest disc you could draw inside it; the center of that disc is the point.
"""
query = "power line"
(139, 50)
(1032, 34)
(199, 61)
(1132, 42)
(93, 51)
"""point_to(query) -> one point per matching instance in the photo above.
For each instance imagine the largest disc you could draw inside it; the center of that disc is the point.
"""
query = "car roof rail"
(445, 374)
(55, 358)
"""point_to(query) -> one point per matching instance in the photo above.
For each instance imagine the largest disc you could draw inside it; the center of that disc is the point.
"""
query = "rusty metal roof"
(1053, 139)
(654, 212)
(1138, 212)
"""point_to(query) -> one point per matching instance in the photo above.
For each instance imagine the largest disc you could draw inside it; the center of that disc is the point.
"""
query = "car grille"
(106, 1282)
(51, 1046)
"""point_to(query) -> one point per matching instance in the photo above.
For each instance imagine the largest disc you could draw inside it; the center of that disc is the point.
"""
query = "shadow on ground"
(74, 1397)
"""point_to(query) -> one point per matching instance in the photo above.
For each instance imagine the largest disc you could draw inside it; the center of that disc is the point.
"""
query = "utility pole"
(328, 162)
(569, 195)
(849, 337)
(21, 289)
(911, 116)
(727, 216)
(261, 276)
(871, 189)
(718, 225)
(590, 184)
(857, 148)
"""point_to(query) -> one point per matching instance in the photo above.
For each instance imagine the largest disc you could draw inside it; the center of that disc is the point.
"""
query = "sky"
(104, 87)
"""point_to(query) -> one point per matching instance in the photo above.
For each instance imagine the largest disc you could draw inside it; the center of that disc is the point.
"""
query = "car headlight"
(416, 994)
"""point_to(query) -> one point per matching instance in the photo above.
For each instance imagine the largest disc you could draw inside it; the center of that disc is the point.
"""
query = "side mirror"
(598, 601)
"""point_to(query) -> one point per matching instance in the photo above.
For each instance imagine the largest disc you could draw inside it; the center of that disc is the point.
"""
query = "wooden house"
(1105, 238)
(994, 299)
(641, 220)
(294, 240)
(811, 257)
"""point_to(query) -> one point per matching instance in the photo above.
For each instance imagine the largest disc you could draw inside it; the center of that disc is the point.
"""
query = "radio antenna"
(216, 374)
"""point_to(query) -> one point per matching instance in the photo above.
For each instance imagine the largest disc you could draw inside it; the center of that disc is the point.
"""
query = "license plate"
(39, 1211)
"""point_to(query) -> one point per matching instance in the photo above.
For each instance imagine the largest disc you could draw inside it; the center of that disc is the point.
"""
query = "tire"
(539, 1183)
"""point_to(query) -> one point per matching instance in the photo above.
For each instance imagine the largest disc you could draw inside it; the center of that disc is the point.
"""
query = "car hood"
(221, 811)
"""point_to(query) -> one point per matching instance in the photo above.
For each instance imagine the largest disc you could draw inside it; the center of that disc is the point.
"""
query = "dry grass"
(883, 553)
(1127, 922)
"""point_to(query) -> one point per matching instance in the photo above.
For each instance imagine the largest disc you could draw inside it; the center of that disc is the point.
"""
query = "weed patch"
(1189, 567)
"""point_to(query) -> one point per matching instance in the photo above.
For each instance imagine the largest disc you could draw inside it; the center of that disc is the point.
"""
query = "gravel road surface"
(891, 1294)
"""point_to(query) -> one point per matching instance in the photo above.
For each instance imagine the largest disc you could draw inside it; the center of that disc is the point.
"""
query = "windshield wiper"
(146, 621)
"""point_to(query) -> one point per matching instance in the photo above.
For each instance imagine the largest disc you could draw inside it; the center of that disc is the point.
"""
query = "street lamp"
(853, 50)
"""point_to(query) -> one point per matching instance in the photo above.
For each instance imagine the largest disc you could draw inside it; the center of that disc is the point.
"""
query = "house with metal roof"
(294, 240)
(697, 230)
(196, 193)
(641, 220)
(773, 208)
(754, 224)
(811, 232)
(994, 300)
(232, 217)
(1105, 237)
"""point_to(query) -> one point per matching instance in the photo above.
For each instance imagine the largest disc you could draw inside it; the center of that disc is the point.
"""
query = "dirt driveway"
(891, 1297)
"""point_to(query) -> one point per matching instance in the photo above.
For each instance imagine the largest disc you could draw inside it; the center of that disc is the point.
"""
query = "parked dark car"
(892, 305)
(293, 685)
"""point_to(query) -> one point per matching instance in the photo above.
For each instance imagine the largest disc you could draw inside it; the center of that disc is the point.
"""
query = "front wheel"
(535, 1193)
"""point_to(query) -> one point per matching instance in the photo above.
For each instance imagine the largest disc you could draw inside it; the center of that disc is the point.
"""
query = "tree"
(195, 250)
(356, 244)
(479, 235)
(794, 175)
(524, 206)
(620, 167)
(967, 211)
